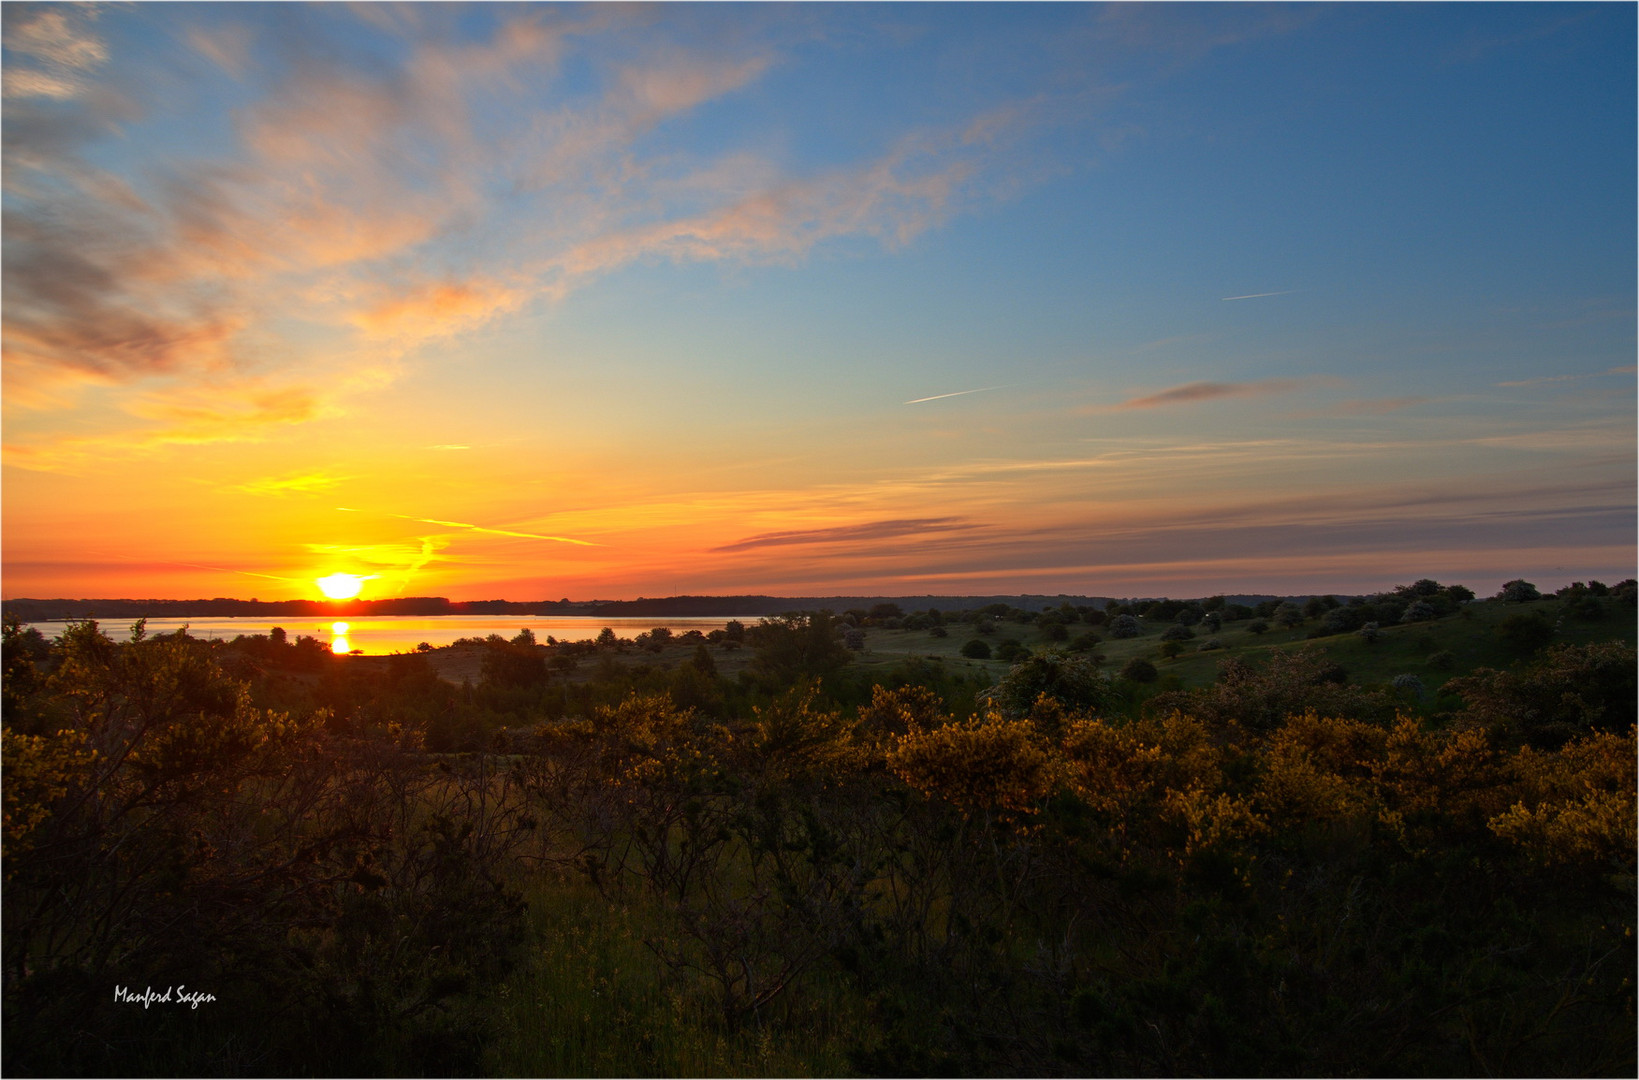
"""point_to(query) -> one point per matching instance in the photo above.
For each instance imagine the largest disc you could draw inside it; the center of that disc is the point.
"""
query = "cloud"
(292, 484)
(1539, 380)
(437, 310)
(1210, 391)
(341, 225)
(1373, 406)
(1257, 295)
(52, 50)
(876, 530)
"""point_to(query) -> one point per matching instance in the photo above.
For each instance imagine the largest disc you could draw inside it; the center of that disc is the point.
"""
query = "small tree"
(976, 650)
(1289, 615)
(1139, 670)
(1518, 591)
(1125, 626)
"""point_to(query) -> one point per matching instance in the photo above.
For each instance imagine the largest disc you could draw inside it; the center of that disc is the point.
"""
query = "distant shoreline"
(48, 610)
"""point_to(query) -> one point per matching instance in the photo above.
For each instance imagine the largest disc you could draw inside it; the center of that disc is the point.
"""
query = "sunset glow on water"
(398, 634)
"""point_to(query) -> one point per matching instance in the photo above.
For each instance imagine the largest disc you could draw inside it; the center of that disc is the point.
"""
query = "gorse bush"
(1260, 876)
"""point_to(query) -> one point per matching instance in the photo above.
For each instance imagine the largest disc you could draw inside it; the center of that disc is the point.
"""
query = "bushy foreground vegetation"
(601, 867)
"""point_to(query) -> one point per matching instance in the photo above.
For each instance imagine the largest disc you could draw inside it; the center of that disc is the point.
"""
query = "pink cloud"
(1210, 391)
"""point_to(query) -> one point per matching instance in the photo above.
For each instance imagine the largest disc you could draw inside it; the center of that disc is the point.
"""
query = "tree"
(1125, 626)
(1010, 650)
(797, 646)
(1518, 591)
(1139, 670)
(976, 650)
(1563, 694)
(1072, 681)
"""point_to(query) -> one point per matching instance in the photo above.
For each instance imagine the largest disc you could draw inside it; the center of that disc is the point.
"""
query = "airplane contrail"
(480, 528)
(959, 393)
(1254, 296)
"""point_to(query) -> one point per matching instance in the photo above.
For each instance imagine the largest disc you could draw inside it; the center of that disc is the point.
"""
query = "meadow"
(839, 844)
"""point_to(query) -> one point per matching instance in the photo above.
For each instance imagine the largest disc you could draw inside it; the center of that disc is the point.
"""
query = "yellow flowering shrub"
(1212, 820)
(1431, 781)
(1577, 802)
(1109, 767)
(993, 765)
(38, 770)
(1315, 768)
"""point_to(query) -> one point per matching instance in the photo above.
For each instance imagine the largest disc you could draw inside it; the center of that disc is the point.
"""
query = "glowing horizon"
(533, 302)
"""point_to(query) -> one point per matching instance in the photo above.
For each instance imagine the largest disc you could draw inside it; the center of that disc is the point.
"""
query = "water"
(380, 635)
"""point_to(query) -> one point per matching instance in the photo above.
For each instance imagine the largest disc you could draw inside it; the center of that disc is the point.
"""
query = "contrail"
(959, 393)
(1254, 296)
(479, 528)
(497, 532)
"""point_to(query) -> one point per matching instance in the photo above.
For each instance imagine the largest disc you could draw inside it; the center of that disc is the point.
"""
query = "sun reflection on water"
(338, 639)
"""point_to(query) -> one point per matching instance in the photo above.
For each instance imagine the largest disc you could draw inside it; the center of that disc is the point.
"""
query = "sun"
(341, 586)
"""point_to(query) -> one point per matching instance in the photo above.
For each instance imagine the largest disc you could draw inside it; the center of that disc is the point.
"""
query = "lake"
(381, 635)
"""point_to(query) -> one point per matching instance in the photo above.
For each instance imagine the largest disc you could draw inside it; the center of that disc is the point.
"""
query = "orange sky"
(531, 302)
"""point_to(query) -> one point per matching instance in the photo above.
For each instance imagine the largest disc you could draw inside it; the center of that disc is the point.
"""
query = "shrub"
(1518, 592)
(1419, 611)
(1177, 632)
(976, 650)
(1072, 681)
(1125, 626)
(1010, 650)
(1139, 670)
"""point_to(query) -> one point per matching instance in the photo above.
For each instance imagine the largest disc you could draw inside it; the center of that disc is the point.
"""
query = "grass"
(1469, 636)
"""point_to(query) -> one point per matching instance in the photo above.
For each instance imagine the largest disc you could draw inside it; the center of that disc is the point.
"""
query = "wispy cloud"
(1257, 295)
(53, 50)
(875, 530)
(1212, 391)
(958, 393)
(303, 483)
(1371, 406)
(1538, 381)
(343, 223)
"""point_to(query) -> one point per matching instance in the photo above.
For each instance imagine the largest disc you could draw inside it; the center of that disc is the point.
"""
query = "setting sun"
(341, 586)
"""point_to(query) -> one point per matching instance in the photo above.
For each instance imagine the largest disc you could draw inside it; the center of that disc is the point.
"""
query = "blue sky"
(611, 301)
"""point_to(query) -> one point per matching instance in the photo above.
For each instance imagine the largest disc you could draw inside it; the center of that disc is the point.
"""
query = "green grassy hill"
(1434, 651)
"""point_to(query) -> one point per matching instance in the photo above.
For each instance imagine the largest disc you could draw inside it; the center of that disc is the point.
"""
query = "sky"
(532, 302)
